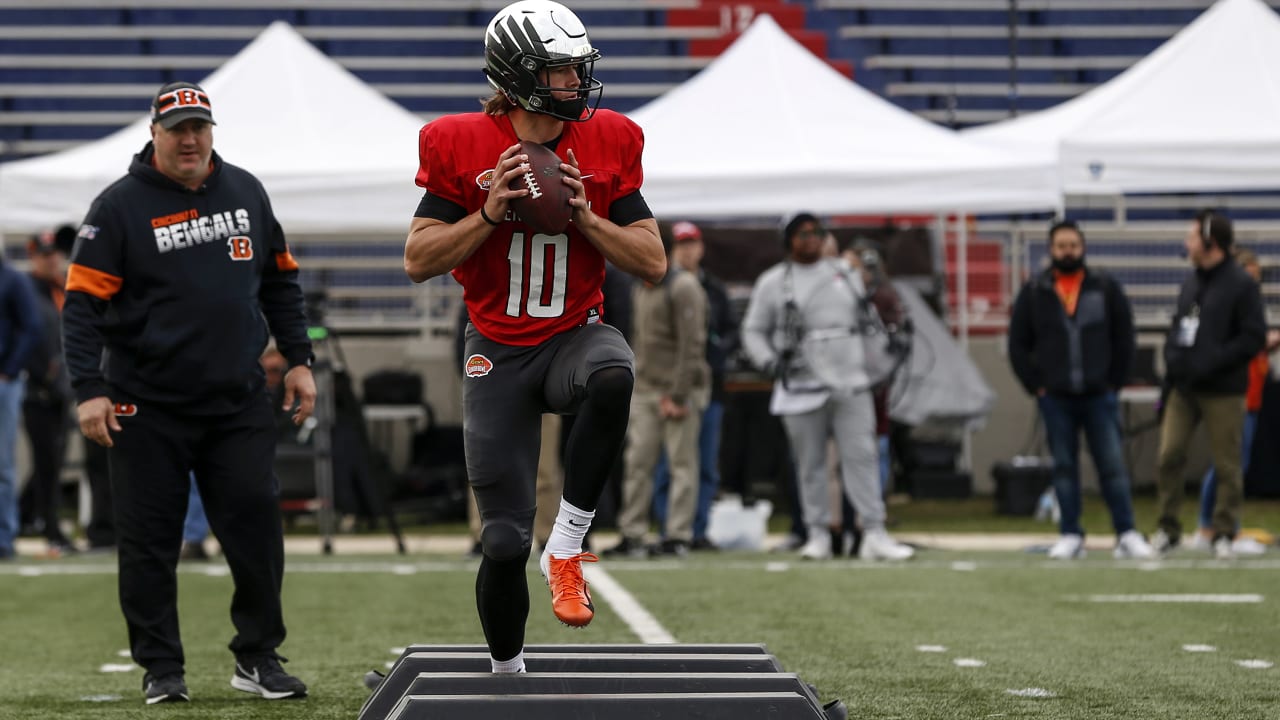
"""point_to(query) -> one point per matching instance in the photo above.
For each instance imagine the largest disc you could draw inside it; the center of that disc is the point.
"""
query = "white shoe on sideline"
(1200, 543)
(1245, 545)
(1132, 546)
(1164, 543)
(1222, 549)
(818, 547)
(877, 545)
(1068, 547)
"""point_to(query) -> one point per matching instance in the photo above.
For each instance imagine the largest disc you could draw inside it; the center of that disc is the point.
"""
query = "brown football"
(546, 208)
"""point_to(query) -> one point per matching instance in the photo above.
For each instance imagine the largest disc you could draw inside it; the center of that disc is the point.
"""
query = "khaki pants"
(648, 433)
(1223, 416)
(549, 489)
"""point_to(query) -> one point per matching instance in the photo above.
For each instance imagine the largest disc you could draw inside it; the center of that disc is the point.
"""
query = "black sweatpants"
(46, 423)
(232, 457)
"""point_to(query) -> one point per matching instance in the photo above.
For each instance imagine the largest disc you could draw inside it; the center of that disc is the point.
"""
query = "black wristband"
(486, 218)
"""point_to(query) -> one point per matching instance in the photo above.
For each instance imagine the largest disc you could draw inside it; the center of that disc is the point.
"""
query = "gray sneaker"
(166, 688)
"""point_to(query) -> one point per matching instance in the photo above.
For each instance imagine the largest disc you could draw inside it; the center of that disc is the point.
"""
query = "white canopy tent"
(1201, 112)
(767, 129)
(334, 154)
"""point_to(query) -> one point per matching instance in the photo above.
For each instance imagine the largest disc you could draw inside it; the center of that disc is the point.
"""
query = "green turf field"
(948, 635)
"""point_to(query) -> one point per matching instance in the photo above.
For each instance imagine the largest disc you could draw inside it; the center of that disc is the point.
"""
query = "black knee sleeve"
(504, 541)
(609, 389)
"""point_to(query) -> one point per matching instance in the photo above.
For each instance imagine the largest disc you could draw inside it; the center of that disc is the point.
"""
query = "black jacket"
(722, 332)
(179, 287)
(47, 379)
(1232, 330)
(1087, 353)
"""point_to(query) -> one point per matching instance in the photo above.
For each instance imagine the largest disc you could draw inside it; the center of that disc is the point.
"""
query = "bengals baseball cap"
(51, 241)
(180, 101)
(685, 230)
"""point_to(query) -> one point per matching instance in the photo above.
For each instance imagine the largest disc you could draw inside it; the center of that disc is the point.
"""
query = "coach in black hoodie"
(179, 272)
(1218, 328)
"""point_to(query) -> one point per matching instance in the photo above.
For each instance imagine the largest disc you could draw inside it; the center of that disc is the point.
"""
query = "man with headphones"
(1218, 328)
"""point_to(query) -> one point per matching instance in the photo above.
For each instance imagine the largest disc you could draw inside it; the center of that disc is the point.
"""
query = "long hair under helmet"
(529, 36)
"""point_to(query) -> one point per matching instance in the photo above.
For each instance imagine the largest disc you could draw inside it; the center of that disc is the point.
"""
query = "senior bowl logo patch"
(485, 179)
(477, 366)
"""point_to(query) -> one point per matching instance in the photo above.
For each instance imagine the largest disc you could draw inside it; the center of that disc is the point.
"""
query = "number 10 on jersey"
(542, 287)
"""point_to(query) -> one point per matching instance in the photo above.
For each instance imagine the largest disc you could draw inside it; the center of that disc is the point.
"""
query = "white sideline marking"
(969, 662)
(404, 570)
(777, 566)
(124, 654)
(1032, 693)
(642, 623)
(117, 668)
(932, 648)
(217, 571)
(1199, 648)
(964, 566)
(1221, 598)
(101, 698)
(1255, 664)
(30, 571)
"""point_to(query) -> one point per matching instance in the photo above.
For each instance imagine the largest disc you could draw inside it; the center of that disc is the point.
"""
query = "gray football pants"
(851, 421)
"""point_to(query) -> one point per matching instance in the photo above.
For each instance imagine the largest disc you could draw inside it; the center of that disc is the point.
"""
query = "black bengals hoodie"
(179, 287)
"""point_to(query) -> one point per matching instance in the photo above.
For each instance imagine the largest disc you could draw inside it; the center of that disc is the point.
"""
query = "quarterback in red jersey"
(536, 342)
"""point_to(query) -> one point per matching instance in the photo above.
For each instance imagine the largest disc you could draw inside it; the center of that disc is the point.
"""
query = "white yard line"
(1220, 598)
(642, 623)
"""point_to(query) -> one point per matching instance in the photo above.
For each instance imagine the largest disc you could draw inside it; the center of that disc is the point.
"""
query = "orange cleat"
(570, 598)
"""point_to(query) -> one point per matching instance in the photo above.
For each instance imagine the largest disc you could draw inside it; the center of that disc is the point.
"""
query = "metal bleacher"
(76, 70)
(966, 62)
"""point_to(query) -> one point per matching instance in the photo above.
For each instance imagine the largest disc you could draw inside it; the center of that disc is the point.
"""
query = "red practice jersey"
(522, 287)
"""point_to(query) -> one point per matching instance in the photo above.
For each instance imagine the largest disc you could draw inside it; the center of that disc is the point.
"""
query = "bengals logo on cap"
(477, 366)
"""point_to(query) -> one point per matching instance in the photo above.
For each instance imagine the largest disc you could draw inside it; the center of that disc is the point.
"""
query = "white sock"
(514, 665)
(571, 526)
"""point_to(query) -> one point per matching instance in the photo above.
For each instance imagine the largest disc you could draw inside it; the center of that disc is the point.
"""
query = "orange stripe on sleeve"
(285, 261)
(94, 282)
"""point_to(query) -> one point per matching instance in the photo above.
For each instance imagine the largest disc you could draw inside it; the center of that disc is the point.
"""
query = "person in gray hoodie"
(802, 328)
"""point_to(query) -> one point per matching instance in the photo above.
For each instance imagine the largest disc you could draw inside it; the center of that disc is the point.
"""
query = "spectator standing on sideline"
(19, 337)
(669, 336)
(1071, 344)
(180, 274)
(1217, 329)
(804, 301)
(47, 405)
(722, 341)
(1258, 368)
(536, 342)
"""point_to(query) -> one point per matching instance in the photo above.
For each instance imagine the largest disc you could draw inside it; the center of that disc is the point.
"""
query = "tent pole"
(939, 250)
(962, 320)
(962, 280)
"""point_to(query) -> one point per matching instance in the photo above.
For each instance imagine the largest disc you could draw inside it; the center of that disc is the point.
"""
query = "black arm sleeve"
(437, 208)
(628, 209)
